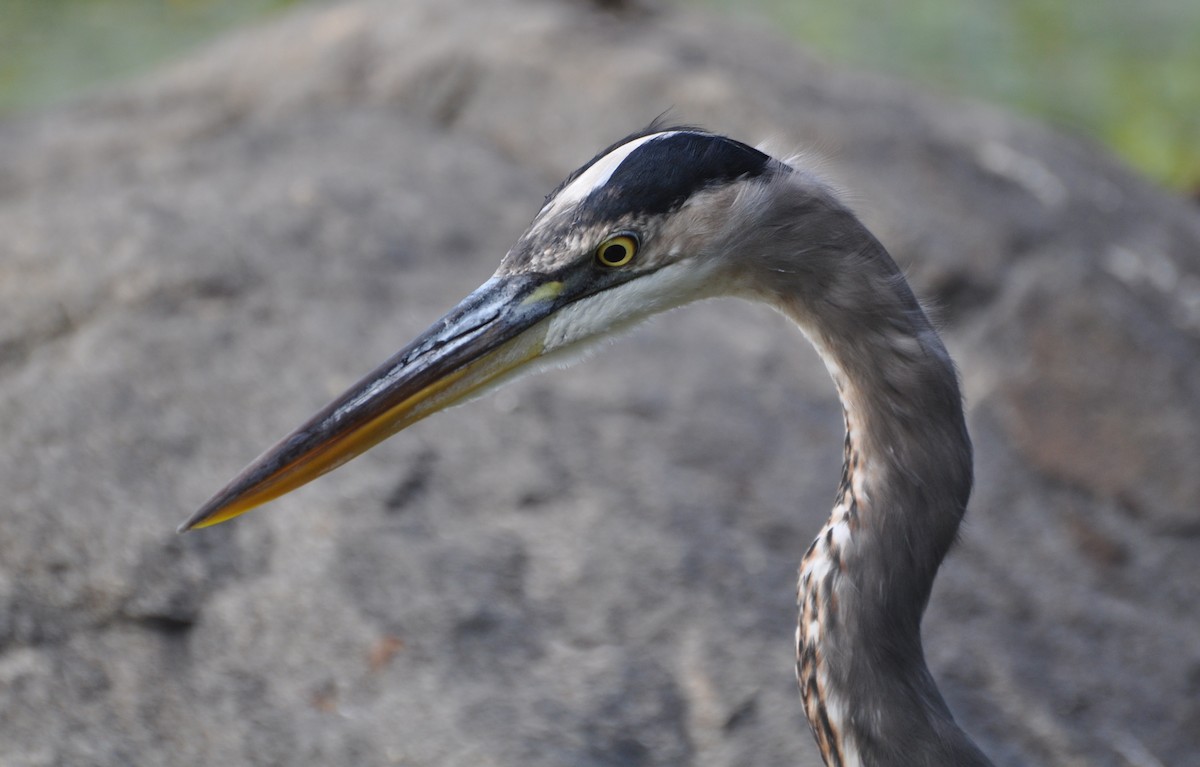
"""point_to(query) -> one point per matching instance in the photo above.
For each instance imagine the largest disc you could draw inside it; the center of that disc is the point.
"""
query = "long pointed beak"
(493, 331)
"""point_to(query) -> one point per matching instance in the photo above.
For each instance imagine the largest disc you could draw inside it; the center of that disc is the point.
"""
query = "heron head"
(649, 224)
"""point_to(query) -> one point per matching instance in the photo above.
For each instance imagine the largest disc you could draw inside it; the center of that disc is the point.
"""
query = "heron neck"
(866, 579)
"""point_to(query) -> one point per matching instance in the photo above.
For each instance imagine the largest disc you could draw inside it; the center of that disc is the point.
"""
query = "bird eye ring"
(617, 250)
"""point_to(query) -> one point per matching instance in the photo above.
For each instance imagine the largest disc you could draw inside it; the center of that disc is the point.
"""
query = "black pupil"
(614, 254)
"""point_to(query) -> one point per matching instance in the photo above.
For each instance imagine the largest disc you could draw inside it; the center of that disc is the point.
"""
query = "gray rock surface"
(594, 567)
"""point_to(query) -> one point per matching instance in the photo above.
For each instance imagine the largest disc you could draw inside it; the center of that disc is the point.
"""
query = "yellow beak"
(492, 332)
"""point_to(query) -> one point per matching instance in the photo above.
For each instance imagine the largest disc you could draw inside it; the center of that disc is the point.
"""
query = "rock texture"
(595, 567)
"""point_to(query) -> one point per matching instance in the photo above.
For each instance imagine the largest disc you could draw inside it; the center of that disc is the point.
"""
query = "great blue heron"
(668, 216)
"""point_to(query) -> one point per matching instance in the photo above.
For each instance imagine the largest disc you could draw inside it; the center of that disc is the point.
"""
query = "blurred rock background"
(1126, 75)
(595, 567)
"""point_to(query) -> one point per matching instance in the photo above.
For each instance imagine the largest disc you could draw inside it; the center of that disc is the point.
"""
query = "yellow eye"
(617, 251)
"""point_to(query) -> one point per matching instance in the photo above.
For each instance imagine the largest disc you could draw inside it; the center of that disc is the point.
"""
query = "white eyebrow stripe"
(601, 171)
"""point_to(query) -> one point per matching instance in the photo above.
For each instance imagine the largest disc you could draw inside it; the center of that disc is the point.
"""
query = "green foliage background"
(1126, 73)
(52, 49)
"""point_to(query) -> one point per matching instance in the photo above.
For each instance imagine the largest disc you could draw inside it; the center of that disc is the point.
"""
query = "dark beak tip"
(194, 520)
(211, 510)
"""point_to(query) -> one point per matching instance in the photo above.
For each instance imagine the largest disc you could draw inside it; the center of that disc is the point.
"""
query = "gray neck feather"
(908, 473)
